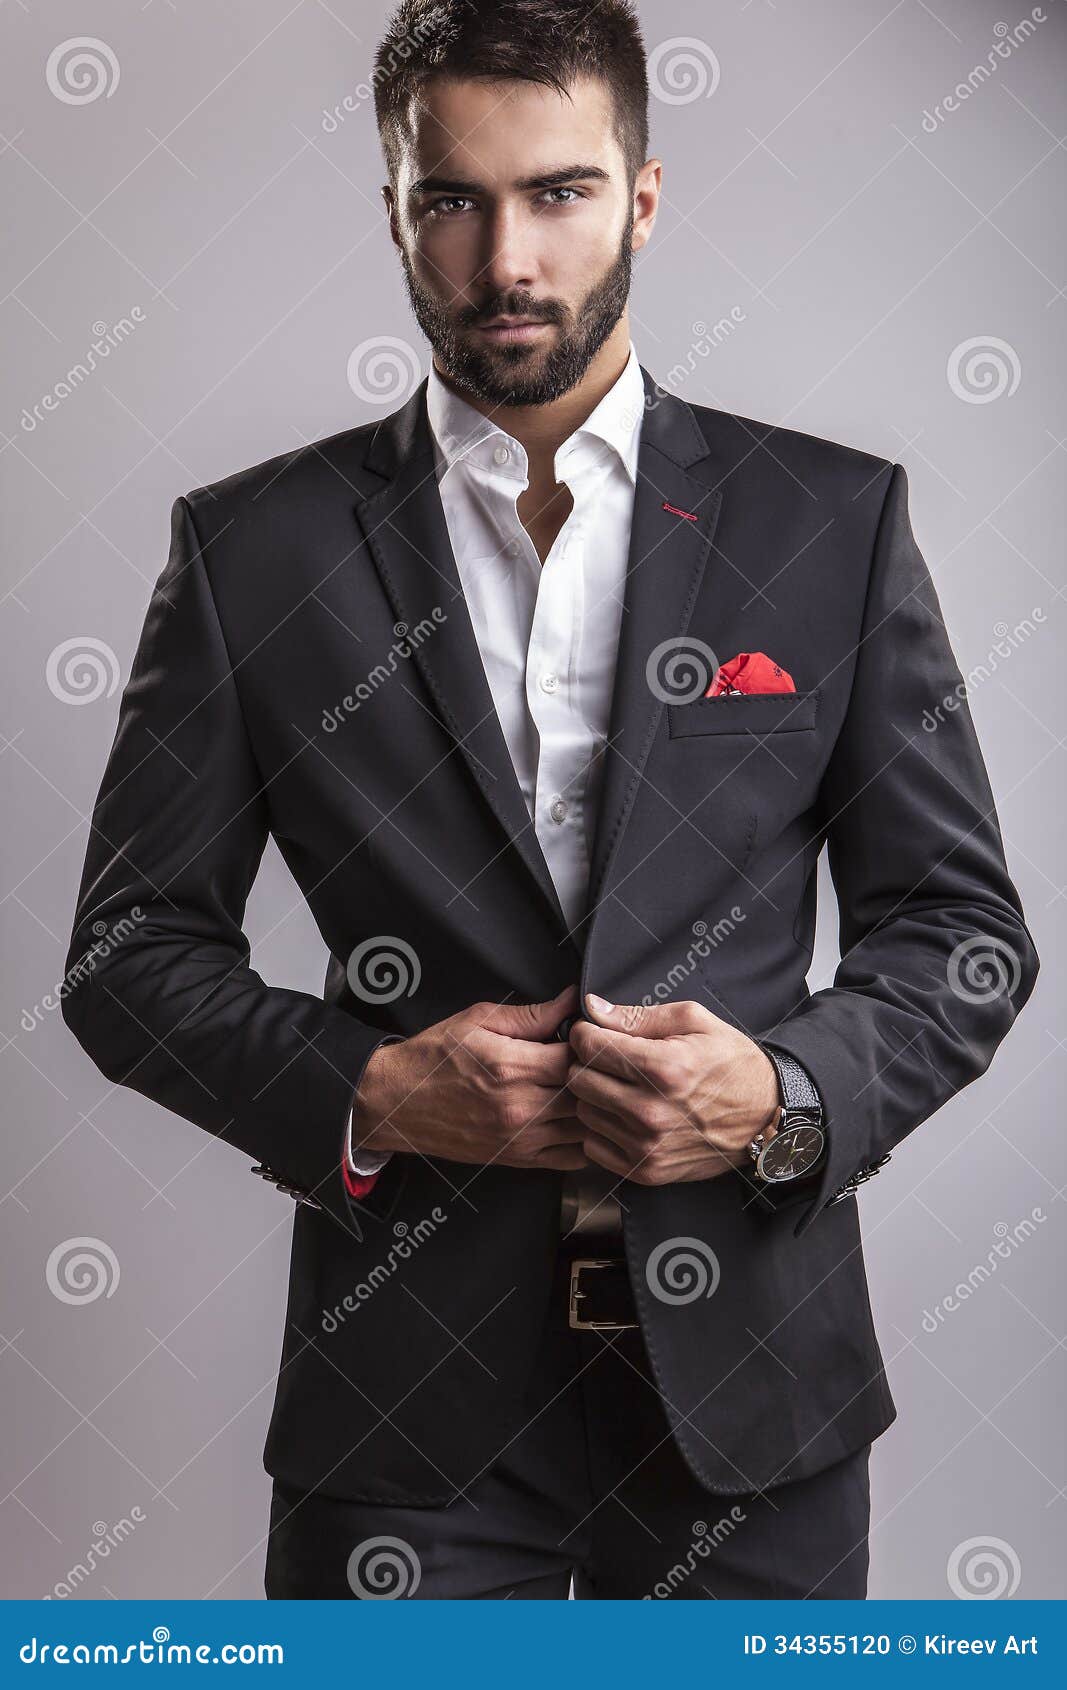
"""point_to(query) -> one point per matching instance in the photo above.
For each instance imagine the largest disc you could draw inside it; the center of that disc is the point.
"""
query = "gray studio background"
(886, 271)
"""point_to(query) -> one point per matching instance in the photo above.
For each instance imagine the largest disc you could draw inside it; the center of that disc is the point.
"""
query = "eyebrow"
(550, 179)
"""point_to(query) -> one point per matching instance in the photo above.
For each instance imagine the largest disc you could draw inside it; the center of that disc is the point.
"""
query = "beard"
(523, 375)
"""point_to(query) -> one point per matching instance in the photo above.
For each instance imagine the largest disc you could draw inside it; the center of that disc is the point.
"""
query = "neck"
(542, 429)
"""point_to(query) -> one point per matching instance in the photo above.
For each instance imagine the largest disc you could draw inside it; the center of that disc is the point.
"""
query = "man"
(551, 687)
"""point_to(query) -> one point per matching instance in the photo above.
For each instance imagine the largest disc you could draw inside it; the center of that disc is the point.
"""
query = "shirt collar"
(459, 428)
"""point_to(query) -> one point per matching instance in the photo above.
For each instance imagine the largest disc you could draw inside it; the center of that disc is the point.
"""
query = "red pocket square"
(750, 671)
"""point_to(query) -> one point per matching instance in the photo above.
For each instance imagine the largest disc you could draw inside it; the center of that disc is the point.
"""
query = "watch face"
(792, 1152)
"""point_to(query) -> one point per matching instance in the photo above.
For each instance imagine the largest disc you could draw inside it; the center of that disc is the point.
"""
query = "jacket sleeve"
(161, 994)
(936, 958)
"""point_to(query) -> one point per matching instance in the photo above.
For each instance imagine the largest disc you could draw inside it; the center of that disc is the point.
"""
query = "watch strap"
(795, 1085)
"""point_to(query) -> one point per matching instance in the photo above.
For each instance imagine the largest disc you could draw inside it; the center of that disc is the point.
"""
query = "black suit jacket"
(273, 693)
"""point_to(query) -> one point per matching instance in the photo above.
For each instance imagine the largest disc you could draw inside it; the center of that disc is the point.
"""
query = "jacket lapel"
(665, 566)
(407, 535)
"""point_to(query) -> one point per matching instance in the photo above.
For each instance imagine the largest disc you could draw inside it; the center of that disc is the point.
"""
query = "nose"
(508, 260)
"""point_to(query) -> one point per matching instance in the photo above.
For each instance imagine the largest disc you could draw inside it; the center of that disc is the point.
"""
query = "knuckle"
(691, 1017)
(510, 1113)
(648, 1146)
(656, 1167)
(650, 1116)
(635, 1018)
(655, 1123)
(577, 1082)
(659, 1068)
(581, 1044)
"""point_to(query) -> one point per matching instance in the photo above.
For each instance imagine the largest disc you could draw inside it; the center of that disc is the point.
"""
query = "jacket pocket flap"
(755, 713)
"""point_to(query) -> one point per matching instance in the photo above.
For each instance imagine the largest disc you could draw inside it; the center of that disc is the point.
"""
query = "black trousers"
(593, 1487)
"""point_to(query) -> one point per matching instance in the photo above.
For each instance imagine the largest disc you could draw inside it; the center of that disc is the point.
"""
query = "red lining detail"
(357, 1185)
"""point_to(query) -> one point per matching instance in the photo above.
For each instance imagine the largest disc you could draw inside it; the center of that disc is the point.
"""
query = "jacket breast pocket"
(754, 714)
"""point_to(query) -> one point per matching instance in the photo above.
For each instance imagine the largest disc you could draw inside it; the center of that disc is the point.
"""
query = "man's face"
(514, 203)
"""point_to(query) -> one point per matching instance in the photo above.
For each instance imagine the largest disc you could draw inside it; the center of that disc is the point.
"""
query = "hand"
(669, 1092)
(486, 1085)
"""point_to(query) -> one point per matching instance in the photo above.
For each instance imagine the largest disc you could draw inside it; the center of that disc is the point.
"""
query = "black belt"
(599, 1295)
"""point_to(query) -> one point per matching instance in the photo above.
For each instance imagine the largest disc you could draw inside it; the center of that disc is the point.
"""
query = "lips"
(509, 330)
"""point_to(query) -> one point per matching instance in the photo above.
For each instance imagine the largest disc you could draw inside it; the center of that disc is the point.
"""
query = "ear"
(646, 203)
(394, 222)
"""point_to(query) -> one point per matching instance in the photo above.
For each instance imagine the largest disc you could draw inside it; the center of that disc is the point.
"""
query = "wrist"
(793, 1148)
(767, 1103)
(371, 1128)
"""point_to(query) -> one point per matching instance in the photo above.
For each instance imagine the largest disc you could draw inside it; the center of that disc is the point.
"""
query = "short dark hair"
(551, 42)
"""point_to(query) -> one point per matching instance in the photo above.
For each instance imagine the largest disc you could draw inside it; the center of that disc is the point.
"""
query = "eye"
(552, 191)
(443, 207)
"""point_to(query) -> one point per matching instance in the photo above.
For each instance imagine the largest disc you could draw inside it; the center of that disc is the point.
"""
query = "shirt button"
(558, 809)
(549, 683)
(501, 455)
(514, 548)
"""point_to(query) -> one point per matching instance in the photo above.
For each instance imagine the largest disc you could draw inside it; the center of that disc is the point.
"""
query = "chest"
(542, 511)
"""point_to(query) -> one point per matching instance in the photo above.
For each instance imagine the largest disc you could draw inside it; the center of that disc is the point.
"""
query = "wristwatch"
(799, 1142)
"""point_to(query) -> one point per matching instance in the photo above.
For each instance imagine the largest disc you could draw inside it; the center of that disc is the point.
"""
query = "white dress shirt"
(548, 633)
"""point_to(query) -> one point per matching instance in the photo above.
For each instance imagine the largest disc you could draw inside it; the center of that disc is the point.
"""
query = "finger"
(534, 1021)
(539, 1065)
(538, 1122)
(605, 1154)
(517, 1060)
(610, 1127)
(613, 1052)
(650, 1021)
(591, 1085)
(568, 1158)
(553, 1107)
(554, 1127)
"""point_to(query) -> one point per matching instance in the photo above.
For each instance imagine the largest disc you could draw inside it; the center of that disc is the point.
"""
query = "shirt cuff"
(368, 1161)
(361, 1172)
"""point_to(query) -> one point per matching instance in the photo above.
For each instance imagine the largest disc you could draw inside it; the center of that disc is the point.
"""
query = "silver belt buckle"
(574, 1320)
